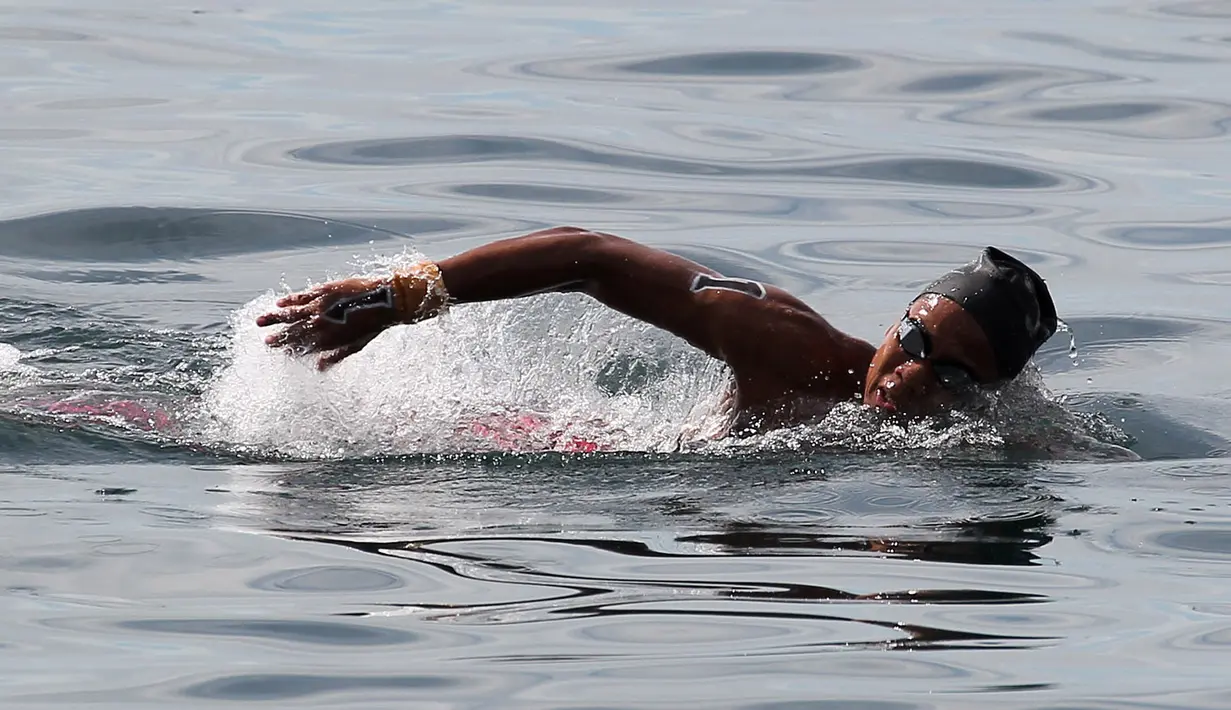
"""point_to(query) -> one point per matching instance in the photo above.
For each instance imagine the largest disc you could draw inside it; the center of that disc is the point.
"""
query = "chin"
(876, 398)
(908, 409)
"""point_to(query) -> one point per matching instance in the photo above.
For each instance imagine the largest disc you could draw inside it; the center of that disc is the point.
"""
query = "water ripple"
(1163, 119)
(146, 234)
(113, 276)
(294, 631)
(329, 579)
(41, 134)
(741, 64)
(1207, 543)
(257, 687)
(43, 34)
(1101, 340)
(521, 192)
(888, 253)
(628, 601)
(468, 149)
(966, 81)
(848, 704)
(538, 195)
(1167, 236)
(1106, 52)
(1111, 111)
(1200, 9)
(727, 66)
(101, 103)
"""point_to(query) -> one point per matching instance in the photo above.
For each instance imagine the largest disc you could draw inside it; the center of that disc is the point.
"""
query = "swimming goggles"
(915, 341)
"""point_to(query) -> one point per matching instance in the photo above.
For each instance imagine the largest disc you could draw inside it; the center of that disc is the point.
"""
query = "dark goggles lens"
(914, 338)
(954, 378)
(915, 341)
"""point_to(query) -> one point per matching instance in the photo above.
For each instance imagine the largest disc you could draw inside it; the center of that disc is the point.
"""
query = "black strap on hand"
(379, 297)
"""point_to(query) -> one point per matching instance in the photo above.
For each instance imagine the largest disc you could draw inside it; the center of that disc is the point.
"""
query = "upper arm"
(759, 330)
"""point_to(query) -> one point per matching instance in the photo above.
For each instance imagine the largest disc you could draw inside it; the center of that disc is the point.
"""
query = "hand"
(336, 319)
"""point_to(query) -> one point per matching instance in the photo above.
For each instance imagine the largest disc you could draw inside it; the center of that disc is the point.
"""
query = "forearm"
(521, 266)
(640, 281)
(563, 259)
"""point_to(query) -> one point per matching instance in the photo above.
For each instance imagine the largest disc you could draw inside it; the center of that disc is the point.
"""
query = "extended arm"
(646, 283)
(766, 335)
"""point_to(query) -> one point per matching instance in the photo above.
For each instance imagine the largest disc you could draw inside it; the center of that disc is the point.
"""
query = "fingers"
(310, 329)
(295, 337)
(324, 362)
(287, 315)
(294, 307)
(303, 297)
(313, 335)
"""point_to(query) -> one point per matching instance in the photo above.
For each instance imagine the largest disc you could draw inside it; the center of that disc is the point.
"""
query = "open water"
(188, 520)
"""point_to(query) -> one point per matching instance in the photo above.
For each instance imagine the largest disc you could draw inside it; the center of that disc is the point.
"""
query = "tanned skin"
(788, 363)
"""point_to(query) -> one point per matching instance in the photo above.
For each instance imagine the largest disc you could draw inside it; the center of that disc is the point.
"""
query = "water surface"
(189, 519)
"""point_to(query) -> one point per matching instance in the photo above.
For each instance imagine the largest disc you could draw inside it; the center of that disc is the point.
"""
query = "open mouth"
(881, 401)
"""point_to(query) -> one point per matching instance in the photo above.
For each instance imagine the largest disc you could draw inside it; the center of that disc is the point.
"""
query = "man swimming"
(974, 328)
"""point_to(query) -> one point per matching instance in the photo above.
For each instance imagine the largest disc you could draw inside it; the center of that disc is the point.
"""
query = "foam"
(423, 388)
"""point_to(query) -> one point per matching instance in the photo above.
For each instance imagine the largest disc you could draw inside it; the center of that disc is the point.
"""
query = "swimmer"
(975, 328)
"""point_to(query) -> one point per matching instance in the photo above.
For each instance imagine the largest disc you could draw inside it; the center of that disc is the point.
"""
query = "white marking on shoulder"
(700, 282)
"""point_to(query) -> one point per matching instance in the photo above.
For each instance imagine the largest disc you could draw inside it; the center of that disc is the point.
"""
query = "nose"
(913, 376)
(907, 368)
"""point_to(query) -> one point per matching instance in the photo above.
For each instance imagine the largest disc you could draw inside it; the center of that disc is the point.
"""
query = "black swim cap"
(1010, 302)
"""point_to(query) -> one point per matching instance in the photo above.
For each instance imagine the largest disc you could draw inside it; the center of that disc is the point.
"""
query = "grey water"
(190, 520)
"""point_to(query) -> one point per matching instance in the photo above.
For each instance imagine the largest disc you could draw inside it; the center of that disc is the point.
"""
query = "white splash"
(12, 370)
(542, 373)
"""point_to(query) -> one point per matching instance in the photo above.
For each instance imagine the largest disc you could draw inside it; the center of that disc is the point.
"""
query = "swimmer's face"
(959, 351)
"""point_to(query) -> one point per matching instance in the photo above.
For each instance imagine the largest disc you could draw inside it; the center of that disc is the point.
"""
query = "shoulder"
(775, 337)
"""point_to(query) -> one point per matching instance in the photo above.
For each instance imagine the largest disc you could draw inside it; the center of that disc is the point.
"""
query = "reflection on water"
(994, 541)
(597, 599)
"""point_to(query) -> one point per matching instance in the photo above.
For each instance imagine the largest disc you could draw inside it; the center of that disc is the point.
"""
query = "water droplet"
(1064, 328)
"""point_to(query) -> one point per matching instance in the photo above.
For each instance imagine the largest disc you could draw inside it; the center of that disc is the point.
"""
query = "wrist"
(418, 292)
